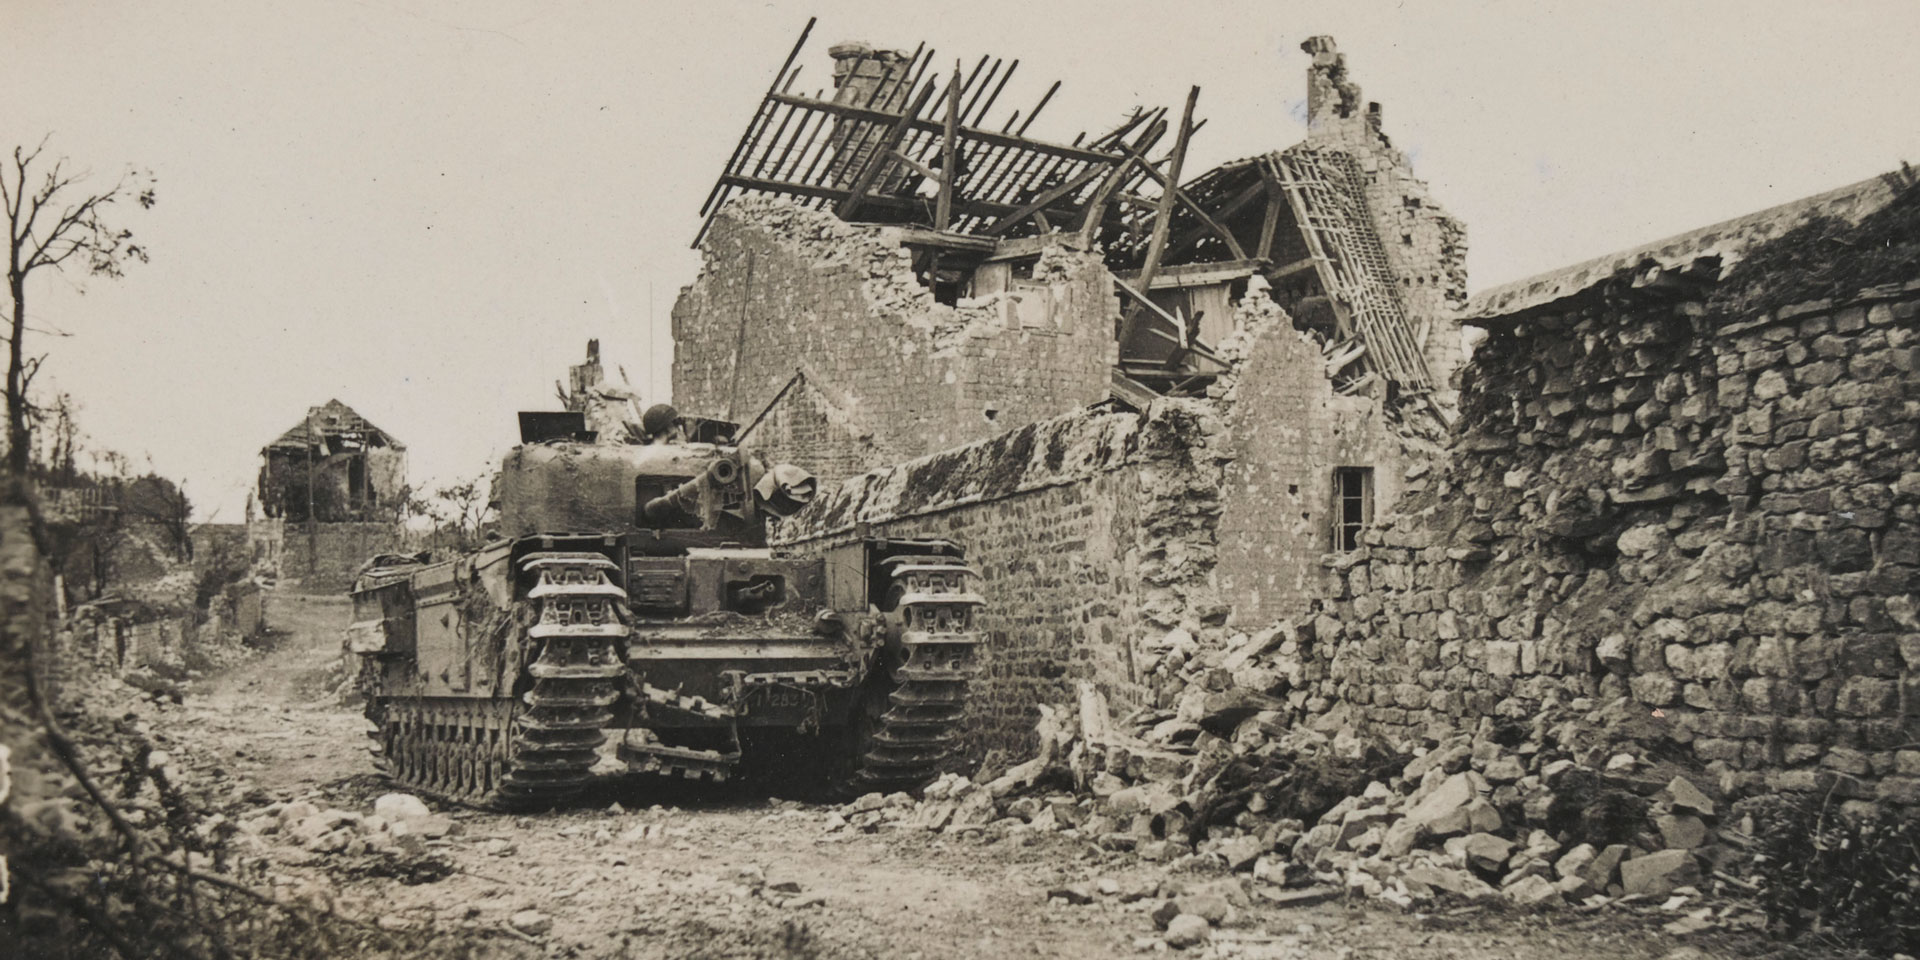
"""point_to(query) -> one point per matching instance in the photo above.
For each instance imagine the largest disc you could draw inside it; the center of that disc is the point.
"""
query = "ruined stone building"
(1147, 412)
(331, 492)
(333, 466)
(1684, 499)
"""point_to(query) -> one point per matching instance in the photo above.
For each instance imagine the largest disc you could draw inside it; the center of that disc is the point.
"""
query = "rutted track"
(537, 749)
(919, 727)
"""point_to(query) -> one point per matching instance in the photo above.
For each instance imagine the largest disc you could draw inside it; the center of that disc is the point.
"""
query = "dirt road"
(668, 874)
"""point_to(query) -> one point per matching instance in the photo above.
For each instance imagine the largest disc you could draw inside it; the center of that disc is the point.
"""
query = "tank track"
(503, 754)
(920, 725)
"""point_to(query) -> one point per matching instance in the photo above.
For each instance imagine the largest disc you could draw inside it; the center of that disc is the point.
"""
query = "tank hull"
(514, 675)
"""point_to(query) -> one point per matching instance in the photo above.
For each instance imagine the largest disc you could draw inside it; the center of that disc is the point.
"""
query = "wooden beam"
(931, 126)
(882, 155)
(943, 207)
(1042, 201)
(1193, 236)
(945, 240)
(897, 205)
(1298, 266)
(1199, 274)
(1169, 187)
(1271, 223)
(918, 167)
(1130, 391)
(1157, 244)
(1095, 211)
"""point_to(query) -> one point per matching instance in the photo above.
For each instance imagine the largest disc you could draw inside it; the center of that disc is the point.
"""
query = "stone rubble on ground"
(1223, 781)
(400, 823)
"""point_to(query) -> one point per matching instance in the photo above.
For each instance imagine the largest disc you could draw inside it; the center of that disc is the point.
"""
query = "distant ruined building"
(331, 493)
(333, 466)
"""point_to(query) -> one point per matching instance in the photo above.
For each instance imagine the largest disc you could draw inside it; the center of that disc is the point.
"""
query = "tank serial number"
(779, 697)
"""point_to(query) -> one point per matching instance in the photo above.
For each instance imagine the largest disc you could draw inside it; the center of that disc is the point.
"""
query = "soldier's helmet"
(658, 419)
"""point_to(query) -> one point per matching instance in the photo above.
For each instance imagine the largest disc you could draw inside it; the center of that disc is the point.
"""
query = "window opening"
(1352, 505)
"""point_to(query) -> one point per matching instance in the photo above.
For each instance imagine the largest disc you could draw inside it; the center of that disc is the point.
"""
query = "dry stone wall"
(1700, 521)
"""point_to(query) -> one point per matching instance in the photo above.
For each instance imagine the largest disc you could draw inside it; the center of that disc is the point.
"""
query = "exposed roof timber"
(333, 419)
(1178, 339)
(979, 209)
(916, 147)
(1207, 222)
(923, 237)
(1162, 217)
(1200, 274)
(1323, 189)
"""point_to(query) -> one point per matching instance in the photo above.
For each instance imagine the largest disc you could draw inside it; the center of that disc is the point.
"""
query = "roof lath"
(878, 145)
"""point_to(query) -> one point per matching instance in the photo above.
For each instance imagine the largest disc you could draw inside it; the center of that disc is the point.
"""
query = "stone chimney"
(864, 77)
(1333, 101)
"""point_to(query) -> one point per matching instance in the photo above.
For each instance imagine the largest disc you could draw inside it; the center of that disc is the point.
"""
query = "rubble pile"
(1227, 780)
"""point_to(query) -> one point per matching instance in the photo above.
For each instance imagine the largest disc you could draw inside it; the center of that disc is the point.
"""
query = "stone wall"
(323, 560)
(1287, 432)
(1093, 533)
(1698, 518)
(894, 375)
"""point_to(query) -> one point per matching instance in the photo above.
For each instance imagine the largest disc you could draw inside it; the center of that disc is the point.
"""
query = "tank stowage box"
(630, 613)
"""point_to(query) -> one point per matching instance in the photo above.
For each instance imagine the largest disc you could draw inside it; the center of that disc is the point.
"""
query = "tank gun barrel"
(685, 499)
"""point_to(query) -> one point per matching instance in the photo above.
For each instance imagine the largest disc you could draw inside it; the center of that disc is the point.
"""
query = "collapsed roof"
(336, 425)
(875, 149)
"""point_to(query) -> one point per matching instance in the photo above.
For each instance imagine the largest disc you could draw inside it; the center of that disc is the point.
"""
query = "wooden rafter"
(1040, 203)
(949, 138)
(1215, 223)
(861, 154)
(882, 156)
(1162, 216)
(1269, 224)
(1169, 189)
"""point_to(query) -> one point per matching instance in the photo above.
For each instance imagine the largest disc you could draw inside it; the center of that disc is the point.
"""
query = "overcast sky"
(426, 208)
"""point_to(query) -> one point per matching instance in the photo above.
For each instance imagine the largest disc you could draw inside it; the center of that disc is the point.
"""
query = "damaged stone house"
(1148, 402)
(1681, 506)
(331, 492)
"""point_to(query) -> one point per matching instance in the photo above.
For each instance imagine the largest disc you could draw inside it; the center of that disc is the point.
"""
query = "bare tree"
(53, 221)
(462, 512)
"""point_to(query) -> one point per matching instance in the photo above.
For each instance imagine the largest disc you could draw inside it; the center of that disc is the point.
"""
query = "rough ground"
(673, 874)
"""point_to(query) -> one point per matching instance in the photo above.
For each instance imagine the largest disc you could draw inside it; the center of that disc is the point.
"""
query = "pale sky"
(426, 208)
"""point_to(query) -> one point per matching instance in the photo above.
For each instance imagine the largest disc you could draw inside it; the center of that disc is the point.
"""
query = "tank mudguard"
(463, 611)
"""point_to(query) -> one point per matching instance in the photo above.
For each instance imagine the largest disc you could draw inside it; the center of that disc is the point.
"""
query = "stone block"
(1575, 861)
(1681, 831)
(1689, 798)
(1658, 874)
(1445, 802)
(1601, 871)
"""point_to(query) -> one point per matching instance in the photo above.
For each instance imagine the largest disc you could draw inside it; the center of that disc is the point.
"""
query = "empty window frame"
(1352, 505)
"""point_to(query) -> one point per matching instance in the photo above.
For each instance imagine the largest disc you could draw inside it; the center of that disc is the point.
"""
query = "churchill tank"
(629, 617)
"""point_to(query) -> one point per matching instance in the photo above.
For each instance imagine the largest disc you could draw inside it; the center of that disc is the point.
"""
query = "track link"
(505, 754)
(919, 726)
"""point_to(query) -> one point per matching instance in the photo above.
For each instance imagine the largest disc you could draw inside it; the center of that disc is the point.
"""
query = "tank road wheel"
(539, 749)
(907, 719)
